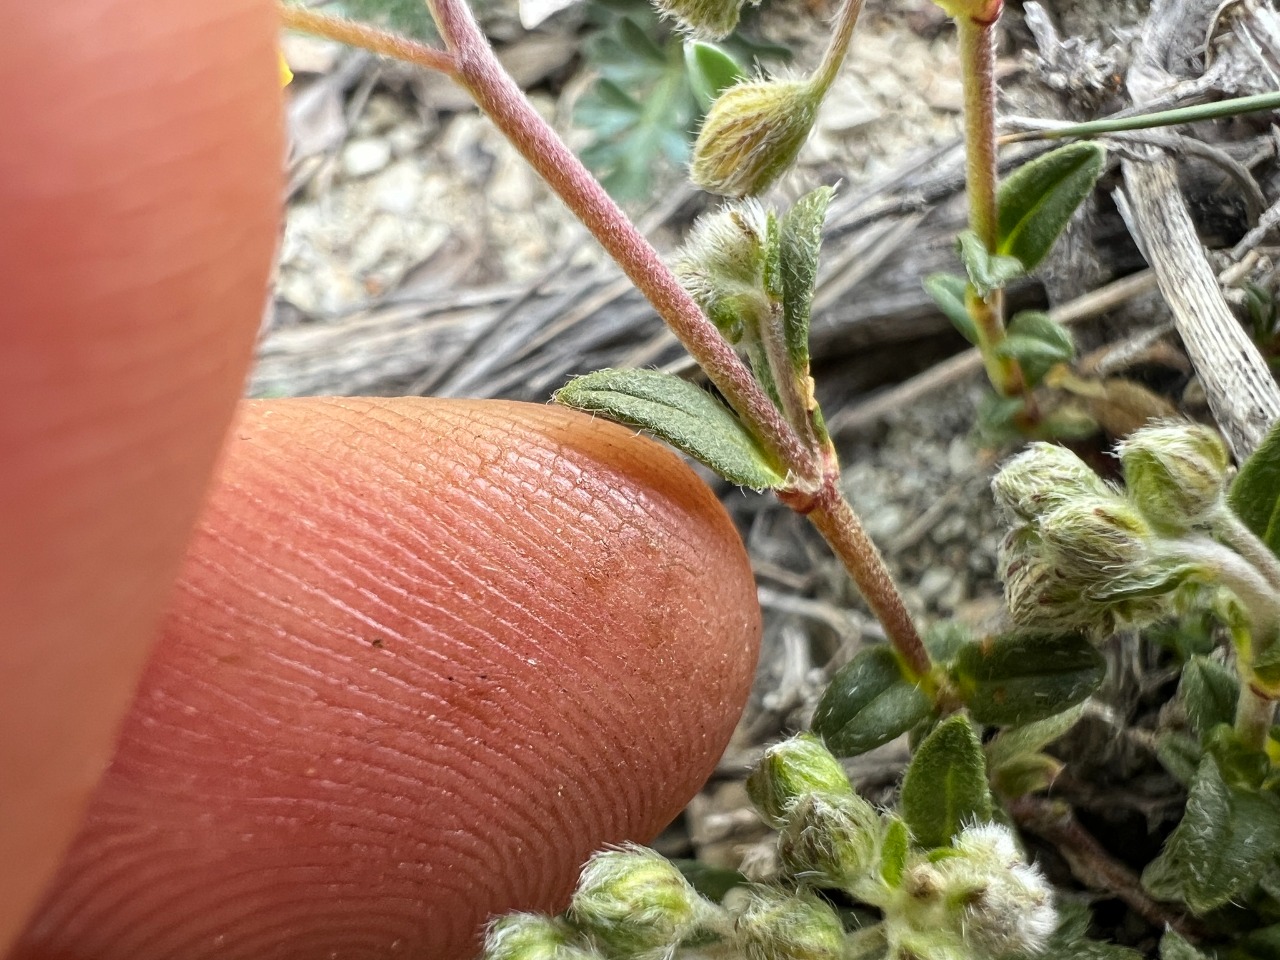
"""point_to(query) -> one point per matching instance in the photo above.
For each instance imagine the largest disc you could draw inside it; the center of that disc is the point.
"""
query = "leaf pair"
(1011, 680)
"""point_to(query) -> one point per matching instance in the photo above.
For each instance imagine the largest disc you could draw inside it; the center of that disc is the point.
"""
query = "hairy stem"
(1231, 529)
(839, 525)
(364, 36)
(1254, 715)
(977, 60)
(1223, 565)
(838, 47)
(478, 70)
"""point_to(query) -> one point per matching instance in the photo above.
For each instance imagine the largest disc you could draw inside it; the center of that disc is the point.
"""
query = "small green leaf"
(1037, 343)
(1026, 773)
(1180, 755)
(945, 786)
(1225, 839)
(947, 290)
(1209, 693)
(1069, 941)
(1031, 737)
(944, 640)
(987, 271)
(683, 415)
(711, 70)
(893, 852)
(1037, 200)
(1018, 678)
(869, 702)
(1255, 493)
(801, 243)
(1173, 946)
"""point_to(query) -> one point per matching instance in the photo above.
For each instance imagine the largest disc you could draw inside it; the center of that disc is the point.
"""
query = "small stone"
(365, 155)
(935, 582)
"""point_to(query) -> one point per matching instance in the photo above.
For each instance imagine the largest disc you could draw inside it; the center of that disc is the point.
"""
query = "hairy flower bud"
(1090, 540)
(722, 266)
(1175, 473)
(752, 134)
(830, 841)
(781, 926)
(1044, 477)
(792, 770)
(632, 900)
(1008, 907)
(532, 936)
(709, 19)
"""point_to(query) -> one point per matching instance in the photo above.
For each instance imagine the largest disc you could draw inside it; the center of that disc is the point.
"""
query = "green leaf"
(944, 640)
(683, 415)
(1037, 343)
(945, 786)
(947, 291)
(1209, 692)
(1016, 678)
(801, 242)
(711, 70)
(1180, 755)
(869, 702)
(1069, 941)
(1255, 493)
(1037, 201)
(1173, 946)
(1226, 838)
(1014, 759)
(893, 851)
(987, 271)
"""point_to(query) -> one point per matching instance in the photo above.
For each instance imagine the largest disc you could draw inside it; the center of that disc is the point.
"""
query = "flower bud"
(780, 926)
(792, 770)
(1091, 540)
(633, 899)
(1044, 477)
(709, 19)
(1036, 594)
(1010, 906)
(532, 936)
(830, 841)
(722, 266)
(1175, 474)
(752, 134)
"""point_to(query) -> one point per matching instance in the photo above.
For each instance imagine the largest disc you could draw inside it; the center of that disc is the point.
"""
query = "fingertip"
(425, 656)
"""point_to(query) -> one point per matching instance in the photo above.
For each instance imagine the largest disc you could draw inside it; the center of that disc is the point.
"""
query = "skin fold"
(421, 656)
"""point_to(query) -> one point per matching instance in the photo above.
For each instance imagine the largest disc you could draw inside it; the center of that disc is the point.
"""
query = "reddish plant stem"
(978, 63)
(366, 37)
(498, 96)
(830, 512)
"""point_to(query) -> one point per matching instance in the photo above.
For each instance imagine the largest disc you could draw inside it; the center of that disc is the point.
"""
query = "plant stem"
(1254, 714)
(977, 60)
(839, 525)
(838, 47)
(1231, 529)
(365, 36)
(478, 70)
(1145, 121)
(1226, 567)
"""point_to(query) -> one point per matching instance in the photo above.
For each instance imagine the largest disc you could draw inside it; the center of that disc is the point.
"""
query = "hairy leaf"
(1255, 493)
(948, 292)
(1224, 840)
(801, 242)
(1209, 692)
(1016, 678)
(683, 415)
(1037, 343)
(987, 271)
(711, 70)
(945, 786)
(869, 702)
(1037, 201)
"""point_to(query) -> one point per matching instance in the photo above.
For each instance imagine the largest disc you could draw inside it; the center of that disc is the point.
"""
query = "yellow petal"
(286, 75)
